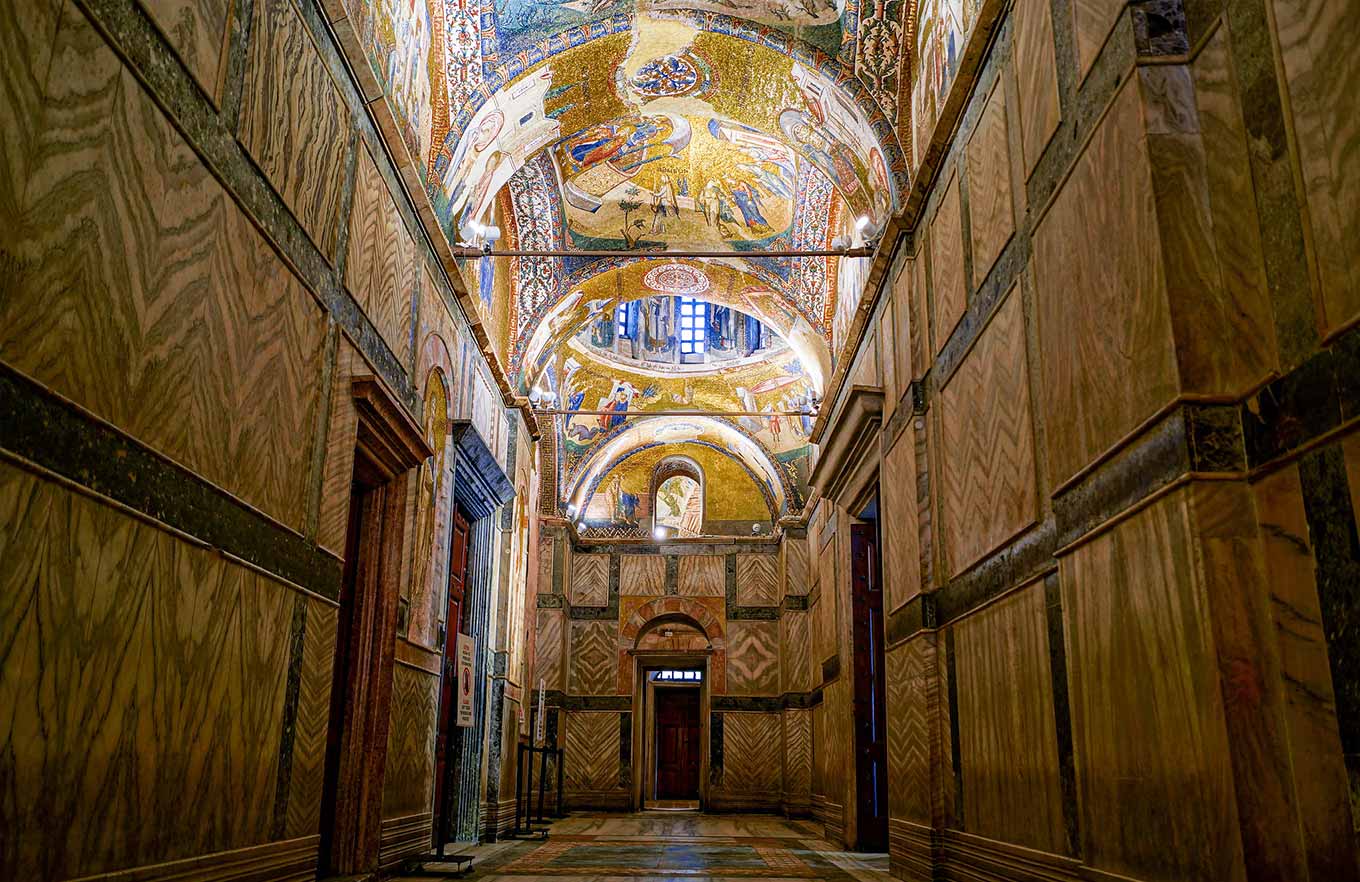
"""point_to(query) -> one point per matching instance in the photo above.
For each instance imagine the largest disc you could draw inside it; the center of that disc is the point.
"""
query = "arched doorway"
(671, 654)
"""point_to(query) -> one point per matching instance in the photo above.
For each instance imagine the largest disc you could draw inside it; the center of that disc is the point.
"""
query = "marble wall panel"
(408, 783)
(1232, 207)
(549, 648)
(1200, 201)
(753, 658)
(987, 465)
(991, 212)
(751, 765)
(887, 362)
(795, 662)
(293, 121)
(642, 574)
(381, 268)
(28, 30)
(901, 530)
(1319, 772)
(593, 667)
(313, 718)
(906, 677)
(795, 553)
(197, 29)
(702, 575)
(904, 311)
(1036, 69)
(1092, 21)
(1101, 302)
(1007, 739)
(590, 580)
(142, 695)
(948, 292)
(337, 471)
(1322, 73)
(146, 296)
(758, 580)
(1147, 714)
(797, 754)
(592, 751)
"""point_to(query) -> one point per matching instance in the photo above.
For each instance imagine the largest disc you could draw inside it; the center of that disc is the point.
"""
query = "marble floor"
(674, 846)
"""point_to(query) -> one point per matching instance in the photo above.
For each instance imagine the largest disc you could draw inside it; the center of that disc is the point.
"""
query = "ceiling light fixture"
(862, 223)
(659, 533)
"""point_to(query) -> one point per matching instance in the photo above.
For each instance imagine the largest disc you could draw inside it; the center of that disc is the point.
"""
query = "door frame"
(644, 723)
(388, 446)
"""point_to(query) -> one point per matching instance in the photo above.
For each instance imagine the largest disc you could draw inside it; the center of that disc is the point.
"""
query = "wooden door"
(677, 743)
(448, 683)
(871, 735)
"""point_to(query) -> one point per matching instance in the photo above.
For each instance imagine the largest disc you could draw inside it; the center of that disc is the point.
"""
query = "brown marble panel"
(795, 553)
(592, 751)
(758, 580)
(702, 575)
(548, 645)
(313, 716)
(950, 299)
(642, 574)
(987, 443)
(197, 29)
(797, 754)
(590, 580)
(408, 783)
(28, 29)
(887, 362)
(991, 213)
(141, 699)
(381, 270)
(1092, 21)
(796, 656)
(907, 674)
(753, 658)
(593, 668)
(293, 121)
(1199, 203)
(337, 472)
(901, 537)
(142, 293)
(1148, 727)
(1104, 323)
(1322, 71)
(1236, 230)
(1037, 74)
(903, 309)
(1007, 740)
(750, 764)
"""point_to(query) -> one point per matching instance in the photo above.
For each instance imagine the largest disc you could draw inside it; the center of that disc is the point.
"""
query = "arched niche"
(679, 509)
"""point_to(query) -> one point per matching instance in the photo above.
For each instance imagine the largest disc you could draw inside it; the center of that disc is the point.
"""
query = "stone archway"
(663, 609)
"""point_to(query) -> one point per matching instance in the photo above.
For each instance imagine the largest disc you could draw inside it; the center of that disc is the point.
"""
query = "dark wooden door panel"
(677, 743)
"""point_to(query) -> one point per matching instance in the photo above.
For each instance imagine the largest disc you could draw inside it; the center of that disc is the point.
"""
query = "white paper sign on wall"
(467, 651)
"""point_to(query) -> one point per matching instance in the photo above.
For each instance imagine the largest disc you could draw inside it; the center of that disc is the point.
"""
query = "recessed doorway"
(677, 742)
(672, 728)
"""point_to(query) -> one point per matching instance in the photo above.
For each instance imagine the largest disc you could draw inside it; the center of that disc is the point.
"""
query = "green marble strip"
(58, 436)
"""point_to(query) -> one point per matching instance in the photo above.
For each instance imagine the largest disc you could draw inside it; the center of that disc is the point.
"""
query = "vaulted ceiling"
(733, 126)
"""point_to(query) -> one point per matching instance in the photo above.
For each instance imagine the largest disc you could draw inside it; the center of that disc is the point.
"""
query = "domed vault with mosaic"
(646, 169)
